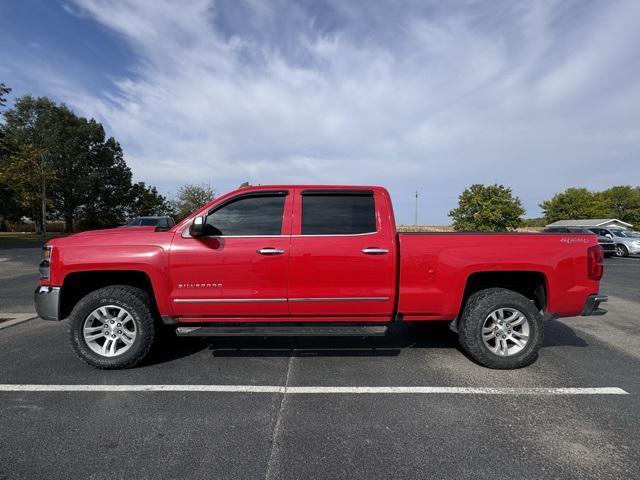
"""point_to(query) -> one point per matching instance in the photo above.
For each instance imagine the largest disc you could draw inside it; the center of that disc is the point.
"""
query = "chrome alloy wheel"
(505, 331)
(109, 331)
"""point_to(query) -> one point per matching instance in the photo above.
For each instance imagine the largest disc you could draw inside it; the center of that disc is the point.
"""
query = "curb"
(16, 318)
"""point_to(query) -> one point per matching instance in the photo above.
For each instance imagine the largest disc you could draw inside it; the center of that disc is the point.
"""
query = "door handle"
(270, 251)
(375, 251)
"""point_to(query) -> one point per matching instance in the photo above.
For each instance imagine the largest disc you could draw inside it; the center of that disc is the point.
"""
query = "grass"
(24, 240)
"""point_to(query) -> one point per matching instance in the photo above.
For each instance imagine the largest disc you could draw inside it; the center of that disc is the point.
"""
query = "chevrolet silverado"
(312, 260)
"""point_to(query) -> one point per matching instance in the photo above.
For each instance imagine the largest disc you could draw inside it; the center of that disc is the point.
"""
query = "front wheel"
(501, 329)
(112, 327)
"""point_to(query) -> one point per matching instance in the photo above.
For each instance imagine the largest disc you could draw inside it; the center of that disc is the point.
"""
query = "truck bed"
(435, 268)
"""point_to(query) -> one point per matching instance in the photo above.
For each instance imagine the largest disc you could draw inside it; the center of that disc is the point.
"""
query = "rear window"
(339, 213)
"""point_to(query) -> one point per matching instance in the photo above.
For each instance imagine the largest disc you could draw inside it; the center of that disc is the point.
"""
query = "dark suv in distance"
(164, 223)
(608, 245)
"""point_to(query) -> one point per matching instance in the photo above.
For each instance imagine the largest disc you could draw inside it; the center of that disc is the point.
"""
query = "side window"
(338, 213)
(254, 215)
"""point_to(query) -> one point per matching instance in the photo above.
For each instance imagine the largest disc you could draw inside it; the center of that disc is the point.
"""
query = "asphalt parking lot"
(470, 428)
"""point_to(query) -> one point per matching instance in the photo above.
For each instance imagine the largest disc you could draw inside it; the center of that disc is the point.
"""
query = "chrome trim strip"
(246, 236)
(339, 299)
(337, 234)
(276, 300)
(295, 236)
(229, 300)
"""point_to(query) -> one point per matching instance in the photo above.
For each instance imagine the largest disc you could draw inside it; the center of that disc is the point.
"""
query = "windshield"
(618, 232)
(148, 222)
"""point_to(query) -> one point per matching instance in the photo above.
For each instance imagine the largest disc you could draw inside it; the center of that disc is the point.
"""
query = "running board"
(283, 331)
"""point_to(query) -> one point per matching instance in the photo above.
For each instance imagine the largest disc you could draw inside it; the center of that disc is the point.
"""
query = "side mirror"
(196, 229)
(608, 235)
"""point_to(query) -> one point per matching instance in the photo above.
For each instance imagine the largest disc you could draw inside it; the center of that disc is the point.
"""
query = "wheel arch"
(529, 283)
(76, 285)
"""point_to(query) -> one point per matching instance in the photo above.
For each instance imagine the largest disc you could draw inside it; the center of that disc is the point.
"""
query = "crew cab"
(312, 260)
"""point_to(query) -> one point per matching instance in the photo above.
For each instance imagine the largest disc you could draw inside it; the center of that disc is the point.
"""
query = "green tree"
(487, 208)
(84, 173)
(574, 203)
(20, 183)
(23, 153)
(107, 198)
(4, 91)
(534, 222)
(145, 200)
(190, 198)
(623, 202)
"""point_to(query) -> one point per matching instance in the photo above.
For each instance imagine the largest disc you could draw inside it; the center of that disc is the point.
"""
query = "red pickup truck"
(312, 260)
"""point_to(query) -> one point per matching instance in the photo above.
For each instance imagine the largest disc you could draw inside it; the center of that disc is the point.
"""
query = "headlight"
(45, 263)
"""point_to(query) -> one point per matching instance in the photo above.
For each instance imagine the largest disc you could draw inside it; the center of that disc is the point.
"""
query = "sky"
(426, 96)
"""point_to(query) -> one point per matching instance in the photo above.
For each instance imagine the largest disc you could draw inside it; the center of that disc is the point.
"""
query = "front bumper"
(633, 249)
(47, 300)
(592, 305)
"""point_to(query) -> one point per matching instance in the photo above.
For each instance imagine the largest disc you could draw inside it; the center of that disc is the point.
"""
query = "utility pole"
(44, 200)
(416, 212)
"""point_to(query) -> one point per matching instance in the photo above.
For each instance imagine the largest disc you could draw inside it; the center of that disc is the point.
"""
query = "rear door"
(342, 257)
(239, 268)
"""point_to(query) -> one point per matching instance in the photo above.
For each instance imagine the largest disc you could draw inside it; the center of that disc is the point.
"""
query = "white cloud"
(539, 96)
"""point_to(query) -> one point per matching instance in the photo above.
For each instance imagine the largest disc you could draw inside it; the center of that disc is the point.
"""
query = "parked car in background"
(626, 241)
(607, 244)
(162, 222)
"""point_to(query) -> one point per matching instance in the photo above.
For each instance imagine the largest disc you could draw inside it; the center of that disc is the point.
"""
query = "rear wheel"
(112, 327)
(501, 329)
(622, 251)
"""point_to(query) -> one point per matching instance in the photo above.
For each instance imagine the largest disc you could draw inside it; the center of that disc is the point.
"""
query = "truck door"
(342, 263)
(239, 268)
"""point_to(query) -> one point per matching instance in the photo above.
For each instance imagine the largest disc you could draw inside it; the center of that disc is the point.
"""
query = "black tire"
(478, 307)
(125, 297)
(608, 255)
(164, 334)
(622, 251)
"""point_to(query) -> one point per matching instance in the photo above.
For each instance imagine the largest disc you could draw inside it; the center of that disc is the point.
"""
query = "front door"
(342, 258)
(239, 267)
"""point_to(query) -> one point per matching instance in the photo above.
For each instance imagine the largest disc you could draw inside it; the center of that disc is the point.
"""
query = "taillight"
(594, 265)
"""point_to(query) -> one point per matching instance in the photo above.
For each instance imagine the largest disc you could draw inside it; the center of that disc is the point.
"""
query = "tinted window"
(620, 233)
(256, 215)
(334, 214)
(148, 222)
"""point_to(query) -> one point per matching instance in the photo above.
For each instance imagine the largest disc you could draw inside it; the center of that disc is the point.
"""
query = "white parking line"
(314, 390)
